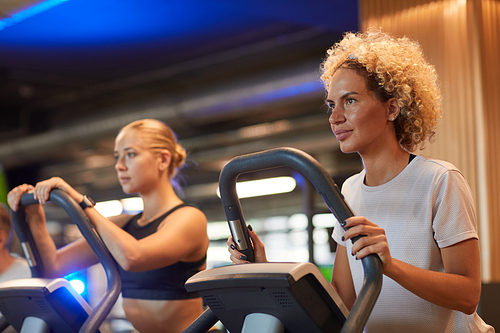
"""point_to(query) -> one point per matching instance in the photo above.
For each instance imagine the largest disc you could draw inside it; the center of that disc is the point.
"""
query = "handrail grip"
(74, 211)
(324, 184)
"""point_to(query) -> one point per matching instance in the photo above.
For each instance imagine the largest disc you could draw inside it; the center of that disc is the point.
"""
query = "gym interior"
(231, 79)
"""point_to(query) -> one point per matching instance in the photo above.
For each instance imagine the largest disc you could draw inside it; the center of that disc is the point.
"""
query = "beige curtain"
(461, 39)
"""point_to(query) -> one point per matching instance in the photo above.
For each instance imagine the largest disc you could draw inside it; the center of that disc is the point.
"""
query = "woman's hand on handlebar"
(258, 249)
(42, 189)
(14, 196)
(373, 239)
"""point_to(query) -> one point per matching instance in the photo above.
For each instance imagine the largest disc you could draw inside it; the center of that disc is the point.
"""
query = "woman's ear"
(392, 109)
(165, 159)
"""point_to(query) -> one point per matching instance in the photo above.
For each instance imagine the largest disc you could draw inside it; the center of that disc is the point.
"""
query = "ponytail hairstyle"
(157, 136)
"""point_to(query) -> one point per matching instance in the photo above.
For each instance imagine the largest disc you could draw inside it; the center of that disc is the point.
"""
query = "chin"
(346, 150)
(127, 190)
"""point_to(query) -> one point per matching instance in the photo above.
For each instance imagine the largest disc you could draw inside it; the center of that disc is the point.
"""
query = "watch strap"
(87, 202)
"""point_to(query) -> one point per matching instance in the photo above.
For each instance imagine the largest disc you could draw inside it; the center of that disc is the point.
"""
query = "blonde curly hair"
(392, 67)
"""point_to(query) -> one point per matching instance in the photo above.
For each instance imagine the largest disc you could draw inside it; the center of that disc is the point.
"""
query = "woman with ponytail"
(157, 250)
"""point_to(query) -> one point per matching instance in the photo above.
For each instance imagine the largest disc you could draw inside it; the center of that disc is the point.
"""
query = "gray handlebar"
(326, 187)
(74, 211)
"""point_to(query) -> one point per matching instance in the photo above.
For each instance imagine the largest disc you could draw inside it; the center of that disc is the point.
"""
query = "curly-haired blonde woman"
(416, 212)
(157, 250)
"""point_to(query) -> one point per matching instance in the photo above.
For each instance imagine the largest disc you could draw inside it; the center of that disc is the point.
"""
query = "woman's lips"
(124, 180)
(342, 134)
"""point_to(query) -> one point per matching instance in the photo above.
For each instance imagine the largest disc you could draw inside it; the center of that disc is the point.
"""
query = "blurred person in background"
(11, 266)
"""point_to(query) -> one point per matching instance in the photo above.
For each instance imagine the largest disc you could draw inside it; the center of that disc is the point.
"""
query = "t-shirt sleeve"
(338, 231)
(337, 234)
(454, 217)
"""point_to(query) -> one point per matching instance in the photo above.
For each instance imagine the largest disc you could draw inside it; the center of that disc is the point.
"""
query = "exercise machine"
(279, 297)
(37, 305)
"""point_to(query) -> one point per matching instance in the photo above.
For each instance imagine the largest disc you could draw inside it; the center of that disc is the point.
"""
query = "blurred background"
(230, 78)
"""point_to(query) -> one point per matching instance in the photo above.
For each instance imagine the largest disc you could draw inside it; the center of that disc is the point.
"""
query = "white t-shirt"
(19, 269)
(426, 207)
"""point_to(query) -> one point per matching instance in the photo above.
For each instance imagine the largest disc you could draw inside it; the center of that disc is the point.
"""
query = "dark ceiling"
(229, 77)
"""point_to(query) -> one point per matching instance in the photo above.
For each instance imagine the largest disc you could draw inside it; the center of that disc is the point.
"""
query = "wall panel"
(461, 39)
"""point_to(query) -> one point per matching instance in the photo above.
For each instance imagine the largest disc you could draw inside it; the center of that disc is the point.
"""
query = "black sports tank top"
(166, 283)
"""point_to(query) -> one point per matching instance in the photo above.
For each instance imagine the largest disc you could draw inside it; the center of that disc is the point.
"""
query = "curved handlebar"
(74, 211)
(330, 193)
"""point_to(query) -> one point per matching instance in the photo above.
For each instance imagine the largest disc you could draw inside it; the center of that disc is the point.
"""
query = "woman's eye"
(130, 154)
(330, 106)
(349, 101)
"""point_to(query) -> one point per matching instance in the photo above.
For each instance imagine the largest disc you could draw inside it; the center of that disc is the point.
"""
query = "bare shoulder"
(189, 216)
(189, 213)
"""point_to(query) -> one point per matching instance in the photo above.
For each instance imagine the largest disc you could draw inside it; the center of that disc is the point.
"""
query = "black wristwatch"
(87, 202)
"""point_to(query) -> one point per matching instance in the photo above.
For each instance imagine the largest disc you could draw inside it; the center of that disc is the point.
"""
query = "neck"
(157, 203)
(382, 167)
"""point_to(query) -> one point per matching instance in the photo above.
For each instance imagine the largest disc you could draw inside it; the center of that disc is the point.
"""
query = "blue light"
(114, 23)
(78, 285)
(78, 280)
(269, 96)
(21, 16)
(97, 24)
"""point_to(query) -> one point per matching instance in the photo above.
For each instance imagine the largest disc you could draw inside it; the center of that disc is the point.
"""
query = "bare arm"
(57, 263)
(181, 236)
(342, 278)
(458, 288)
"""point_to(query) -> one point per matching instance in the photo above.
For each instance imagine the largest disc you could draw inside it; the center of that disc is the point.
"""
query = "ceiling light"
(132, 205)
(261, 187)
(109, 208)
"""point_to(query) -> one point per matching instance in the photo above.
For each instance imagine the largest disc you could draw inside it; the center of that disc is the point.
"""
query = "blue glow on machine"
(78, 280)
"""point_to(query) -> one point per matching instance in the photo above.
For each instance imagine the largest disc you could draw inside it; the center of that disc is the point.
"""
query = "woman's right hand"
(258, 248)
(14, 196)
(14, 199)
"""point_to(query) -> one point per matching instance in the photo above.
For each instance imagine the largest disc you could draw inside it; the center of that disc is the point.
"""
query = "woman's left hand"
(259, 249)
(43, 188)
(373, 240)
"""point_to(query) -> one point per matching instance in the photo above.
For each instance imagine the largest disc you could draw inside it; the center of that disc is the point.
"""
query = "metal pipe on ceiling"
(200, 107)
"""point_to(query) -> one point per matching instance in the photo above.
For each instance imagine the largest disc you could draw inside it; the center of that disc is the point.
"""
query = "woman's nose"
(336, 117)
(119, 165)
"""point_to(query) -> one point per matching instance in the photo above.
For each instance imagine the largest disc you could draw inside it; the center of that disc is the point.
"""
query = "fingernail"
(352, 254)
(243, 258)
(343, 223)
(250, 227)
(231, 246)
(343, 238)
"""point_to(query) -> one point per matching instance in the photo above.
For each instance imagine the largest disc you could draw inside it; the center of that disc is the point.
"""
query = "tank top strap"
(132, 223)
(173, 209)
